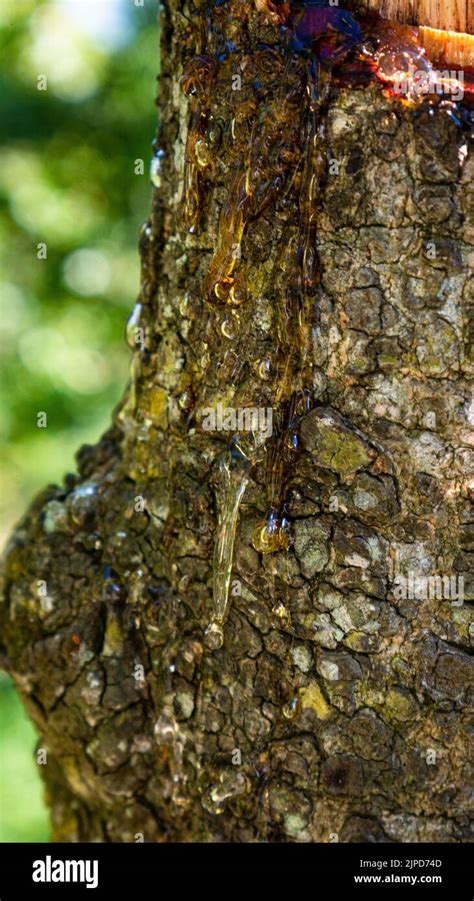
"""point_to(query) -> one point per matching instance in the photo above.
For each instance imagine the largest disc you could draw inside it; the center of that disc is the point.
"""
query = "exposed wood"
(446, 26)
(457, 49)
(448, 15)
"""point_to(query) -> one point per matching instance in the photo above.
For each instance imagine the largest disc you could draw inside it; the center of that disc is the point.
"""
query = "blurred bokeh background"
(69, 179)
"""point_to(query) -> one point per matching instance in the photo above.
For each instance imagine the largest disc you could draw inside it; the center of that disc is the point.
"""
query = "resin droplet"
(264, 369)
(156, 166)
(214, 636)
(292, 708)
(230, 326)
(271, 535)
(165, 729)
(134, 334)
(184, 401)
(231, 784)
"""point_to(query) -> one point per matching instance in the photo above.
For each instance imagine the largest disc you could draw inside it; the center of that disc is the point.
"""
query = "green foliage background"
(68, 180)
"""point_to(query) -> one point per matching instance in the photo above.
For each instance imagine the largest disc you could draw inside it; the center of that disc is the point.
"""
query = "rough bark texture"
(351, 713)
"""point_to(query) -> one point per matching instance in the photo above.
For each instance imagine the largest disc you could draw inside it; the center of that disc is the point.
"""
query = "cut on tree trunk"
(445, 26)
(447, 15)
(247, 617)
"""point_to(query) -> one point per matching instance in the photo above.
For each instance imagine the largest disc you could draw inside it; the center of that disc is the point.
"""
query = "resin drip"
(234, 473)
(169, 739)
(316, 39)
(220, 282)
(197, 83)
(256, 140)
(305, 271)
(274, 155)
(325, 36)
(271, 535)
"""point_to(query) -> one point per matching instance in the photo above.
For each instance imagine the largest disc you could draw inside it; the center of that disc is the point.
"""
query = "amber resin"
(197, 83)
(315, 47)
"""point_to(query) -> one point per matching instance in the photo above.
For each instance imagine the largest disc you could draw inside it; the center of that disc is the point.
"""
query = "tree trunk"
(307, 257)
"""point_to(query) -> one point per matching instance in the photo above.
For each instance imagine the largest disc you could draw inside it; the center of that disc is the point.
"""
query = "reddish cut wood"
(447, 15)
(446, 26)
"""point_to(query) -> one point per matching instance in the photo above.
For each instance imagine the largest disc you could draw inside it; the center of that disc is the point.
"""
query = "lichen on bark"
(336, 706)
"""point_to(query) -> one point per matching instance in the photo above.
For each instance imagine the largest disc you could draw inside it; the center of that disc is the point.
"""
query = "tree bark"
(317, 265)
